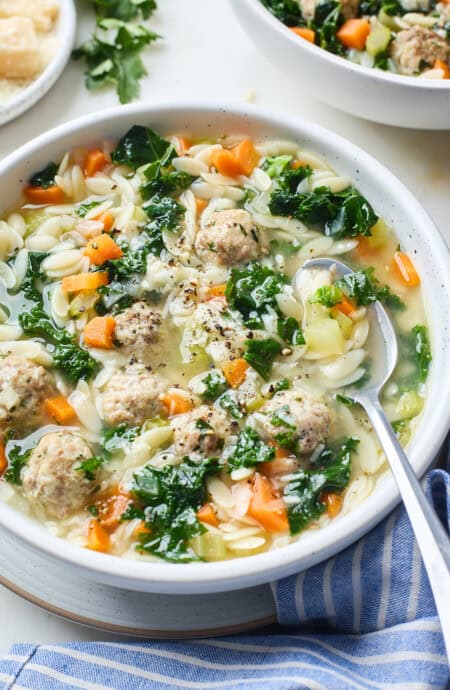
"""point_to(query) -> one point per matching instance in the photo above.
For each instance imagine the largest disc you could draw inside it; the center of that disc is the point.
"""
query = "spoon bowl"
(382, 339)
(431, 537)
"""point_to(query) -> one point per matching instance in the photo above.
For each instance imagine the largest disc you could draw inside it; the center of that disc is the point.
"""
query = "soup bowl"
(418, 236)
(369, 93)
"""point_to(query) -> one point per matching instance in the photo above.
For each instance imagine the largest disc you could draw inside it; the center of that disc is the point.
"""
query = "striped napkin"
(364, 619)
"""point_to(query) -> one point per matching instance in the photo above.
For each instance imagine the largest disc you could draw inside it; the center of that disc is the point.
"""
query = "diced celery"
(325, 337)
(316, 312)
(387, 20)
(380, 233)
(409, 405)
(209, 546)
(154, 423)
(378, 39)
(33, 220)
(345, 323)
(82, 302)
(253, 404)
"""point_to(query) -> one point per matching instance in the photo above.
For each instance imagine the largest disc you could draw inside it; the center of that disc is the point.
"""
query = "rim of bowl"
(340, 62)
(65, 34)
(252, 570)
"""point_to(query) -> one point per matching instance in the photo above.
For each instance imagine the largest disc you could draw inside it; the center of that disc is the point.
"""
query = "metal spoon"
(433, 541)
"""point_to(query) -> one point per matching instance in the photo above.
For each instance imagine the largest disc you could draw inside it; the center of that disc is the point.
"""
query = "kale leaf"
(16, 462)
(289, 180)
(423, 351)
(341, 214)
(249, 451)
(165, 212)
(250, 290)
(142, 146)
(329, 473)
(83, 209)
(168, 500)
(260, 355)
(167, 183)
(328, 295)
(33, 274)
(125, 9)
(274, 166)
(326, 22)
(115, 438)
(215, 384)
(45, 178)
(289, 329)
(287, 11)
(116, 60)
(415, 357)
(67, 355)
(229, 402)
(89, 467)
(365, 289)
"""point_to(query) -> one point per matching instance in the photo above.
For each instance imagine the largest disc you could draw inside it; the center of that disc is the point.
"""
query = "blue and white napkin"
(370, 607)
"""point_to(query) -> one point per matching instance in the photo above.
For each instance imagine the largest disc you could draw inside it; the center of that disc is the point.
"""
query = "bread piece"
(42, 12)
(19, 48)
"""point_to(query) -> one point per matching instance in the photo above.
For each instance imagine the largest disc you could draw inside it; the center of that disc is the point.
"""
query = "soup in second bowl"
(166, 391)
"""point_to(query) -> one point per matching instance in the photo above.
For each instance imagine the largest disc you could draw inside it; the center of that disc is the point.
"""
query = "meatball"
(137, 330)
(24, 386)
(412, 48)
(349, 8)
(132, 397)
(51, 478)
(201, 431)
(228, 238)
(296, 413)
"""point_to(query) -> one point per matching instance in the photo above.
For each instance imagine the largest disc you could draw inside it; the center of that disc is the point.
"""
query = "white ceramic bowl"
(366, 92)
(65, 35)
(418, 236)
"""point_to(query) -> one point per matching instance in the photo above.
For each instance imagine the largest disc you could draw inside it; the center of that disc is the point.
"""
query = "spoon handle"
(431, 536)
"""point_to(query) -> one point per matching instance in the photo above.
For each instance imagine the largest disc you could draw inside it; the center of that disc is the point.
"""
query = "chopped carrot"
(182, 145)
(280, 452)
(440, 64)
(95, 161)
(333, 503)
(247, 156)
(346, 306)
(99, 332)
(111, 506)
(39, 195)
(206, 514)
(266, 507)
(295, 165)
(141, 529)
(216, 291)
(200, 205)
(98, 537)
(84, 281)
(102, 248)
(283, 464)
(107, 219)
(60, 409)
(176, 403)
(353, 33)
(405, 270)
(235, 371)
(303, 32)
(226, 163)
(3, 459)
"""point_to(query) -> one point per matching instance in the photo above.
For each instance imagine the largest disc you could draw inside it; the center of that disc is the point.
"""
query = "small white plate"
(65, 36)
(60, 589)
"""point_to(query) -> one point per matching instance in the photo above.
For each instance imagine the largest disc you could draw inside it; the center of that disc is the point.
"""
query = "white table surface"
(206, 55)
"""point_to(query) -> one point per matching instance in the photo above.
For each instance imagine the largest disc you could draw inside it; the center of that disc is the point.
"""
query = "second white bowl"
(363, 91)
